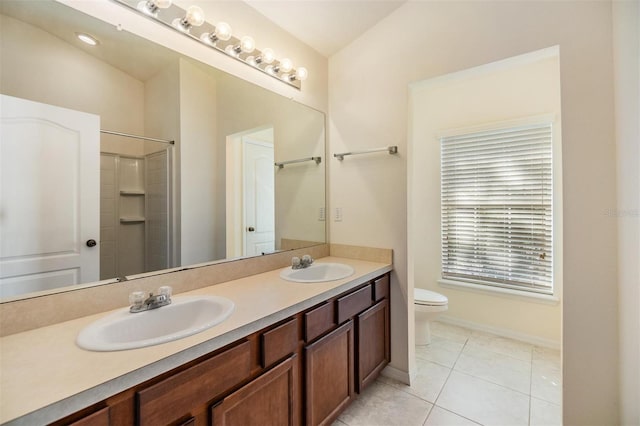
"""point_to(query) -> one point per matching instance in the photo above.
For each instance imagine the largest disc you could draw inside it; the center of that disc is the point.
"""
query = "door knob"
(91, 243)
(251, 229)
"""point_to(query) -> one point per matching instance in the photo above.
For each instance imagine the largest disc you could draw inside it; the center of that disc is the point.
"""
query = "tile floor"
(466, 377)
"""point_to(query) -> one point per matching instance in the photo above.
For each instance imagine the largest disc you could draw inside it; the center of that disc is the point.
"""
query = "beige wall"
(200, 229)
(54, 67)
(627, 215)
(368, 108)
(522, 87)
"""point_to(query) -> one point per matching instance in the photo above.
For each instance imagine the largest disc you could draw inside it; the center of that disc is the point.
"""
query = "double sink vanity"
(292, 347)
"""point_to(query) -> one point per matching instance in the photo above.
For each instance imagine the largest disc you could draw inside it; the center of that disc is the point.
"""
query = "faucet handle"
(295, 261)
(137, 298)
(166, 291)
(306, 259)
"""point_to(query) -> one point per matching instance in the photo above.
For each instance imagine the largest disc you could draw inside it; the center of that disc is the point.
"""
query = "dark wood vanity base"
(305, 369)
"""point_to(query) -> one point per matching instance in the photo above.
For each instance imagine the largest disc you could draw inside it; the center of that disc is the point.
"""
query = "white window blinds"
(496, 206)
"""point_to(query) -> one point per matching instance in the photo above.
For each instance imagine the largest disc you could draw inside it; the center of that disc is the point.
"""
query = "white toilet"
(427, 305)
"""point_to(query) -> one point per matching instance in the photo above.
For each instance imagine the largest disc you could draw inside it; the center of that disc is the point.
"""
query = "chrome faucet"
(297, 263)
(140, 302)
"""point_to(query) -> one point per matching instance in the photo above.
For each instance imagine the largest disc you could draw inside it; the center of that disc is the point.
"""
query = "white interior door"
(49, 193)
(259, 204)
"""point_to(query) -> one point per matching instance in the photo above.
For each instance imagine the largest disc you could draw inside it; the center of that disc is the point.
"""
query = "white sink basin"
(185, 316)
(317, 272)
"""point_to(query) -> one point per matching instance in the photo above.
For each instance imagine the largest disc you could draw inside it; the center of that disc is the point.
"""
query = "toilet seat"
(428, 298)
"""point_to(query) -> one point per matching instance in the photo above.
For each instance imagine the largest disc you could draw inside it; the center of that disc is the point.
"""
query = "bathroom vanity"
(292, 353)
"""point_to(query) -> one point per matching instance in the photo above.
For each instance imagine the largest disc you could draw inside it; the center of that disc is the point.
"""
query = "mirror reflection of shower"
(135, 205)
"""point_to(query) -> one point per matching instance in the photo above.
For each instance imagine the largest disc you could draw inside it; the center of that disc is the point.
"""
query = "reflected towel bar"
(390, 149)
(144, 138)
(282, 163)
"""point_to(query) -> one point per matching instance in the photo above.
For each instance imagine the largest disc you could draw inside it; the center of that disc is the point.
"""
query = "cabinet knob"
(91, 243)
(251, 229)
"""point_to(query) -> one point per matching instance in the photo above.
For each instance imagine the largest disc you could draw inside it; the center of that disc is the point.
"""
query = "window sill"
(545, 299)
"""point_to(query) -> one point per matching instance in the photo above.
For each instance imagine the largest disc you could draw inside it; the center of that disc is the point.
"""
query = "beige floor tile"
(451, 332)
(496, 368)
(544, 413)
(429, 380)
(384, 405)
(546, 375)
(501, 345)
(441, 417)
(442, 351)
(484, 402)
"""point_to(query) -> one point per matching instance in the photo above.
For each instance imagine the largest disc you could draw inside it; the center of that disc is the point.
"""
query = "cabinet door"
(271, 399)
(329, 375)
(373, 342)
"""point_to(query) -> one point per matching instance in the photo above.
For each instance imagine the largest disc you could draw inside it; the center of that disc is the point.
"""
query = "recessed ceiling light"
(86, 38)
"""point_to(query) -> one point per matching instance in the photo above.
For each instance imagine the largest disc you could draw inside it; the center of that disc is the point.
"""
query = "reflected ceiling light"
(150, 7)
(88, 39)
(191, 23)
(193, 18)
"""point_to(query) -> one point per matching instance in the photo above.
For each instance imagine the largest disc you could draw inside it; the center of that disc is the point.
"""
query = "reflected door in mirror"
(49, 196)
(259, 209)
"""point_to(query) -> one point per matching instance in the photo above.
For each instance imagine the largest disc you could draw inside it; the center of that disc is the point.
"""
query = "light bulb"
(247, 44)
(231, 50)
(194, 16)
(223, 31)
(251, 60)
(269, 69)
(285, 65)
(267, 56)
(302, 73)
(150, 7)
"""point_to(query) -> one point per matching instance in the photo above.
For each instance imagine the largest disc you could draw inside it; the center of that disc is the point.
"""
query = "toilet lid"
(427, 297)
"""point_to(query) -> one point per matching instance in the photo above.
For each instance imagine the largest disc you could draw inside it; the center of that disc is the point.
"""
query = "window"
(496, 207)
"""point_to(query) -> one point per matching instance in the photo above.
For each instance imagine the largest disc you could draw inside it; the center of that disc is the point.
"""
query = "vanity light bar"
(191, 23)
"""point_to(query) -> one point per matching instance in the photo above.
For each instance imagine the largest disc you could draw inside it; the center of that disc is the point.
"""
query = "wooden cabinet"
(350, 357)
(329, 370)
(373, 343)
(271, 399)
(305, 369)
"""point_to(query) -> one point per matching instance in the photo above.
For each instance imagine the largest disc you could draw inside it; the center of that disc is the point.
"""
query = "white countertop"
(45, 376)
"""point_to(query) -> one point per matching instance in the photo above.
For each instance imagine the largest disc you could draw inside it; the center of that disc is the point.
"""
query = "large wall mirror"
(85, 199)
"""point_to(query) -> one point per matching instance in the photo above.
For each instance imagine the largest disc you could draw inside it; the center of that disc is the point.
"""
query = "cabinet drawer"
(177, 396)
(354, 303)
(381, 288)
(99, 418)
(318, 321)
(279, 342)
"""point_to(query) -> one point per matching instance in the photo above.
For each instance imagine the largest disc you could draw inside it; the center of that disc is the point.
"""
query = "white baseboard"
(394, 373)
(527, 338)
